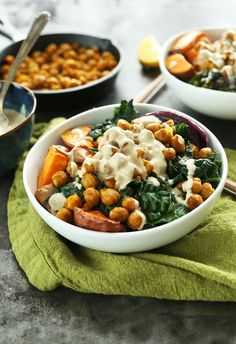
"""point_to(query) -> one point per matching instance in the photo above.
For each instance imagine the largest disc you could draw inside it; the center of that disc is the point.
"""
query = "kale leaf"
(159, 204)
(183, 130)
(156, 202)
(126, 111)
(100, 128)
(71, 188)
(207, 169)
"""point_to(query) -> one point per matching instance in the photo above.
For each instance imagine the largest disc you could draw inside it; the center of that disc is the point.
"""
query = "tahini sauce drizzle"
(187, 185)
(122, 164)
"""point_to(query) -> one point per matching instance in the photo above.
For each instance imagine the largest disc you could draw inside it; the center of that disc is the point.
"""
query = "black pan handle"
(9, 31)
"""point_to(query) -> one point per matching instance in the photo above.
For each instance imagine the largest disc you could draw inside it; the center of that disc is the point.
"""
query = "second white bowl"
(209, 102)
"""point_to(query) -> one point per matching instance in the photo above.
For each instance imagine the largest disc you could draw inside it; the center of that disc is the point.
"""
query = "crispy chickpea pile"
(175, 144)
(61, 66)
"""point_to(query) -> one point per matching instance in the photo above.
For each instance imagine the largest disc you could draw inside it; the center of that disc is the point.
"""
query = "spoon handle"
(37, 26)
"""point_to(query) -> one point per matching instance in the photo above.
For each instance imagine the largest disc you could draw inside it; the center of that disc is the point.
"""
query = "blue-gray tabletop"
(64, 316)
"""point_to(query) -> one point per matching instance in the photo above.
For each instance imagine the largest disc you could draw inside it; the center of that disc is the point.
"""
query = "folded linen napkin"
(200, 266)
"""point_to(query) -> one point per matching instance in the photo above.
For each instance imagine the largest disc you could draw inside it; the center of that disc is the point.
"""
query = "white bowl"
(213, 103)
(115, 242)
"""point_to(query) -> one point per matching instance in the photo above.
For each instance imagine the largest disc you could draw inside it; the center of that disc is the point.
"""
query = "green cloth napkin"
(200, 266)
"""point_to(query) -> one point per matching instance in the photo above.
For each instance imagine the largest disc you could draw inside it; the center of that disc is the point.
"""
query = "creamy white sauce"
(154, 181)
(221, 53)
(179, 196)
(173, 64)
(187, 186)
(78, 185)
(56, 202)
(180, 139)
(145, 120)
(122, 164)
(74, 169)
(15, 119)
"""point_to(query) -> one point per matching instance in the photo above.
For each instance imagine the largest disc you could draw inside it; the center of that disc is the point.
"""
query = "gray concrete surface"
(28, 316)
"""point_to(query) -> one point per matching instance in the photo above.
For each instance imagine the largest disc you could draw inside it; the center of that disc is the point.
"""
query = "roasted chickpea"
(148, 165)
(194, 201)
(65, 215)
(110, 183)
(51, 48)
(169, 153)
(109, 196)
(178, 143)
(70, 54)
(65, 81)
(65, 47)
(92, 197)
(207, 190)
(72, 169)
(164, 135)
(170, 122)
(89, 180)
(136, 175)
(130, 203)
(154, 127)
(119, 214)
(39, 60)
(22, 78)
(39, 80)
(141, 152)
(196, 186)
(5, 69)
(135, 219)
(89, 167)
(195, 151)
(60, 178)
(9, 59)
(55, 86)
(123, 124)
(73, 201)
(205, 152)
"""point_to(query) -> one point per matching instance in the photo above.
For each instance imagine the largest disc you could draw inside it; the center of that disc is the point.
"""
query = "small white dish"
(116, 242)
(209, 102)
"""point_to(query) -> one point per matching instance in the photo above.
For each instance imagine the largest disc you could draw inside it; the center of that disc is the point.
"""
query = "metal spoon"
(37, 26)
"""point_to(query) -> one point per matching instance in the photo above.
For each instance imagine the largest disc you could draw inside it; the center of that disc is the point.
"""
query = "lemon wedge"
(149, 52)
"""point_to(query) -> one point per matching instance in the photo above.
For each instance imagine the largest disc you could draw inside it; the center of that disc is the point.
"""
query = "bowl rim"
(111, 74)
(96, 234)
(164, 52)
(17, 85)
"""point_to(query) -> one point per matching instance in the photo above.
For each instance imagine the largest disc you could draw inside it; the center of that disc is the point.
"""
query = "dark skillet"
(70, 97)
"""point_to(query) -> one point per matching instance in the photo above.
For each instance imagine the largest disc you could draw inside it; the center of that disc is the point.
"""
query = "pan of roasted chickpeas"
(64, 70)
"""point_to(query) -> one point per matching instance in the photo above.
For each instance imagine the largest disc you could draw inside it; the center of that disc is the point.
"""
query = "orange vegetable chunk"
(179, 66)
(188, 41)
(72, 137)
(54, 162)
(96, 221)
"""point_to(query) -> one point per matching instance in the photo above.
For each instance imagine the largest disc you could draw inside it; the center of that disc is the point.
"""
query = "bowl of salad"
(200, 68)
(124, 177)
